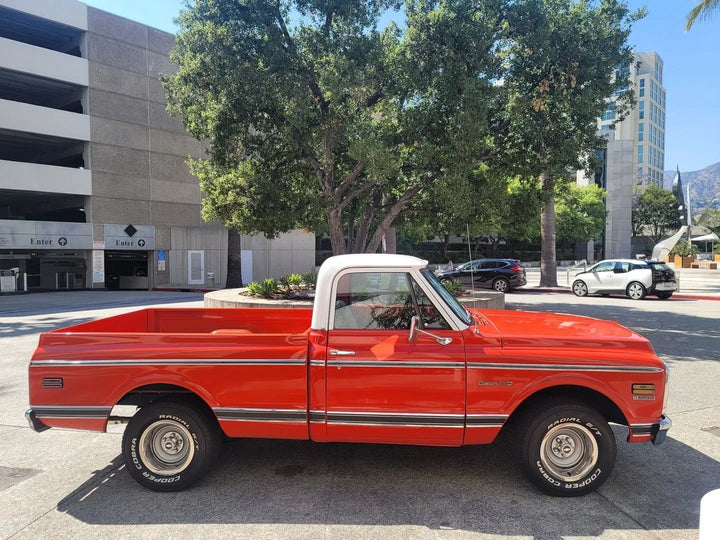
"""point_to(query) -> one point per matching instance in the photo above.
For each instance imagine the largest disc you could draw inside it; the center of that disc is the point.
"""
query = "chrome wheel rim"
(569, 452)
(166, 447)
(579, 288)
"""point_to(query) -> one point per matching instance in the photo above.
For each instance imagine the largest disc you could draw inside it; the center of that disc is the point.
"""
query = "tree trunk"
(548, 260)
(337, 235)
(446, 245)
(389, 241)
(234, 266)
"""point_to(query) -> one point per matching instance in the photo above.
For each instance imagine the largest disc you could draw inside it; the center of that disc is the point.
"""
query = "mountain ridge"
(704, 186)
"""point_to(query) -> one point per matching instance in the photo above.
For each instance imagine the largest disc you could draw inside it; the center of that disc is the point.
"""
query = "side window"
(605, 267)
(373, 300)
(383, 301)
(622, 267)
(489, 264)
(429, 315)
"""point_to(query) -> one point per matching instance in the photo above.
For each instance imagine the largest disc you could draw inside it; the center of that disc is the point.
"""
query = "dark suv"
(503, 275)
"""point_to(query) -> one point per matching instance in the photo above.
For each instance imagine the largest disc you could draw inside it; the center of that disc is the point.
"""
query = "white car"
(635, 278)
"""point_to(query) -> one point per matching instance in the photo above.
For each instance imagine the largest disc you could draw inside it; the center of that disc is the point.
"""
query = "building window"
(607, 127)
(641, 110)
(640, 154)
(641, 129)
(609, 113)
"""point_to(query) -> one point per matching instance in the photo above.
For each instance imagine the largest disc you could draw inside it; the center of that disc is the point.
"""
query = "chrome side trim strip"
(565, 367)
(642, 429)
(317, 416)
(317, 363)
(173, 362)
(261, 415)
(65, 411)
(397, 420)
(395, 364)
(485, 420)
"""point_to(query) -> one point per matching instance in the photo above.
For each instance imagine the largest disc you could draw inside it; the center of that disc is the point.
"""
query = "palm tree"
(701, 12)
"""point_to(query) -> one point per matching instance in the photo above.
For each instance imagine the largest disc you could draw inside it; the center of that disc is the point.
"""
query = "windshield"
(456, 307)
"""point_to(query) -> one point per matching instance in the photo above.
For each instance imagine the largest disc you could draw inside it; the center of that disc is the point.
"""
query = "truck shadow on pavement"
(297, 485)
(44, 324)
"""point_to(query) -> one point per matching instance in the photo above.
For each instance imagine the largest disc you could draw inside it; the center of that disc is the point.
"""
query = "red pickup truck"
(386, 355)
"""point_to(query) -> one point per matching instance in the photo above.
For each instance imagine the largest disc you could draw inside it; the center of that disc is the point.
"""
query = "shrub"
(265, 289)
(309, 280)
(454, 287)
(291, 281)
(684, 249)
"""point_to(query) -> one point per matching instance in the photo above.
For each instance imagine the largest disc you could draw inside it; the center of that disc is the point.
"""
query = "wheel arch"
(605, 406)
(146, 394)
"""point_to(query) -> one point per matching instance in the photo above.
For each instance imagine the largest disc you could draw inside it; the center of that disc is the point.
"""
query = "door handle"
(336, 352)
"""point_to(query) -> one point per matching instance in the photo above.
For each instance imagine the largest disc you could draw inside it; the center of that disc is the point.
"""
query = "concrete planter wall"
(684, 262)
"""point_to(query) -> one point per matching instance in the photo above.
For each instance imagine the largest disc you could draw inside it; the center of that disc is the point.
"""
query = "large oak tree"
(318, 118)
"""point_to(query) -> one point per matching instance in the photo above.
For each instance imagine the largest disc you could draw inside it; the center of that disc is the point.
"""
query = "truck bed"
(241, 362)
(199, 321)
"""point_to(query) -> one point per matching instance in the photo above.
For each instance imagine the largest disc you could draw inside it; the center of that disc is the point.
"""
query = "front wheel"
(636, 290)
(501, 285)
(169, 446)
(567, 449)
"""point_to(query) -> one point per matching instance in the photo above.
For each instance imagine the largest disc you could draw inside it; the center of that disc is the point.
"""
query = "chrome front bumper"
(660, 430)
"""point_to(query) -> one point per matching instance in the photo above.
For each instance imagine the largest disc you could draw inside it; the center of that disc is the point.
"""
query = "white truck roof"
(365, 261)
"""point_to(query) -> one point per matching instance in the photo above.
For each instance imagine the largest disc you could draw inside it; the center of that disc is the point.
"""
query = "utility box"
(7, 281)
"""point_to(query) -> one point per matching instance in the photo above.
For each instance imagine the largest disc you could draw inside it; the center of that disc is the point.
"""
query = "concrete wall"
(620, 181)
(292, 252)
(138, 152)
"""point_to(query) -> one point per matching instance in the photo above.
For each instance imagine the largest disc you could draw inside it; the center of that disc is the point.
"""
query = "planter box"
(683, 262)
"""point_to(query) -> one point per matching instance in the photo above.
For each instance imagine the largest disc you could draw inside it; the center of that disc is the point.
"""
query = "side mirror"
(415, 330)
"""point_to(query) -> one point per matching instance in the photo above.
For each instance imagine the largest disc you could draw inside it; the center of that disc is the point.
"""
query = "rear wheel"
(636, 290)
(566, 449)
(664, 295)
(580, 288)
(169, 446)
(501, 285)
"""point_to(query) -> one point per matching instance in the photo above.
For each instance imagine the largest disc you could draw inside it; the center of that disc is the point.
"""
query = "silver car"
(633, 277)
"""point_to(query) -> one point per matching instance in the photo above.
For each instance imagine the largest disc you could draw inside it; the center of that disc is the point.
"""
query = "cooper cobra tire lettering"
(170, 445)
(565, 447)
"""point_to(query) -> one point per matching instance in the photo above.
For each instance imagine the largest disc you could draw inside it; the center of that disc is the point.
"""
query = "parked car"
(634, 277)
(503, 275)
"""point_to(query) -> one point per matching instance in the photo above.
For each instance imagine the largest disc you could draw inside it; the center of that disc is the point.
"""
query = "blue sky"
(691, 72)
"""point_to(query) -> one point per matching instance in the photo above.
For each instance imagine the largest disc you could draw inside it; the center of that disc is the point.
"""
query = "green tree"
(580, 212)
(704, 10)
(322, 120)
(655, 212)
(563, 62)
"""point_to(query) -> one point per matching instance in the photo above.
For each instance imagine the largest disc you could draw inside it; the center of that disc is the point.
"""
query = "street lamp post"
(689, 215)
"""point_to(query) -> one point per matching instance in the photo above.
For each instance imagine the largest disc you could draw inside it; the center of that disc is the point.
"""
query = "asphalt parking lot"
(67, 484)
